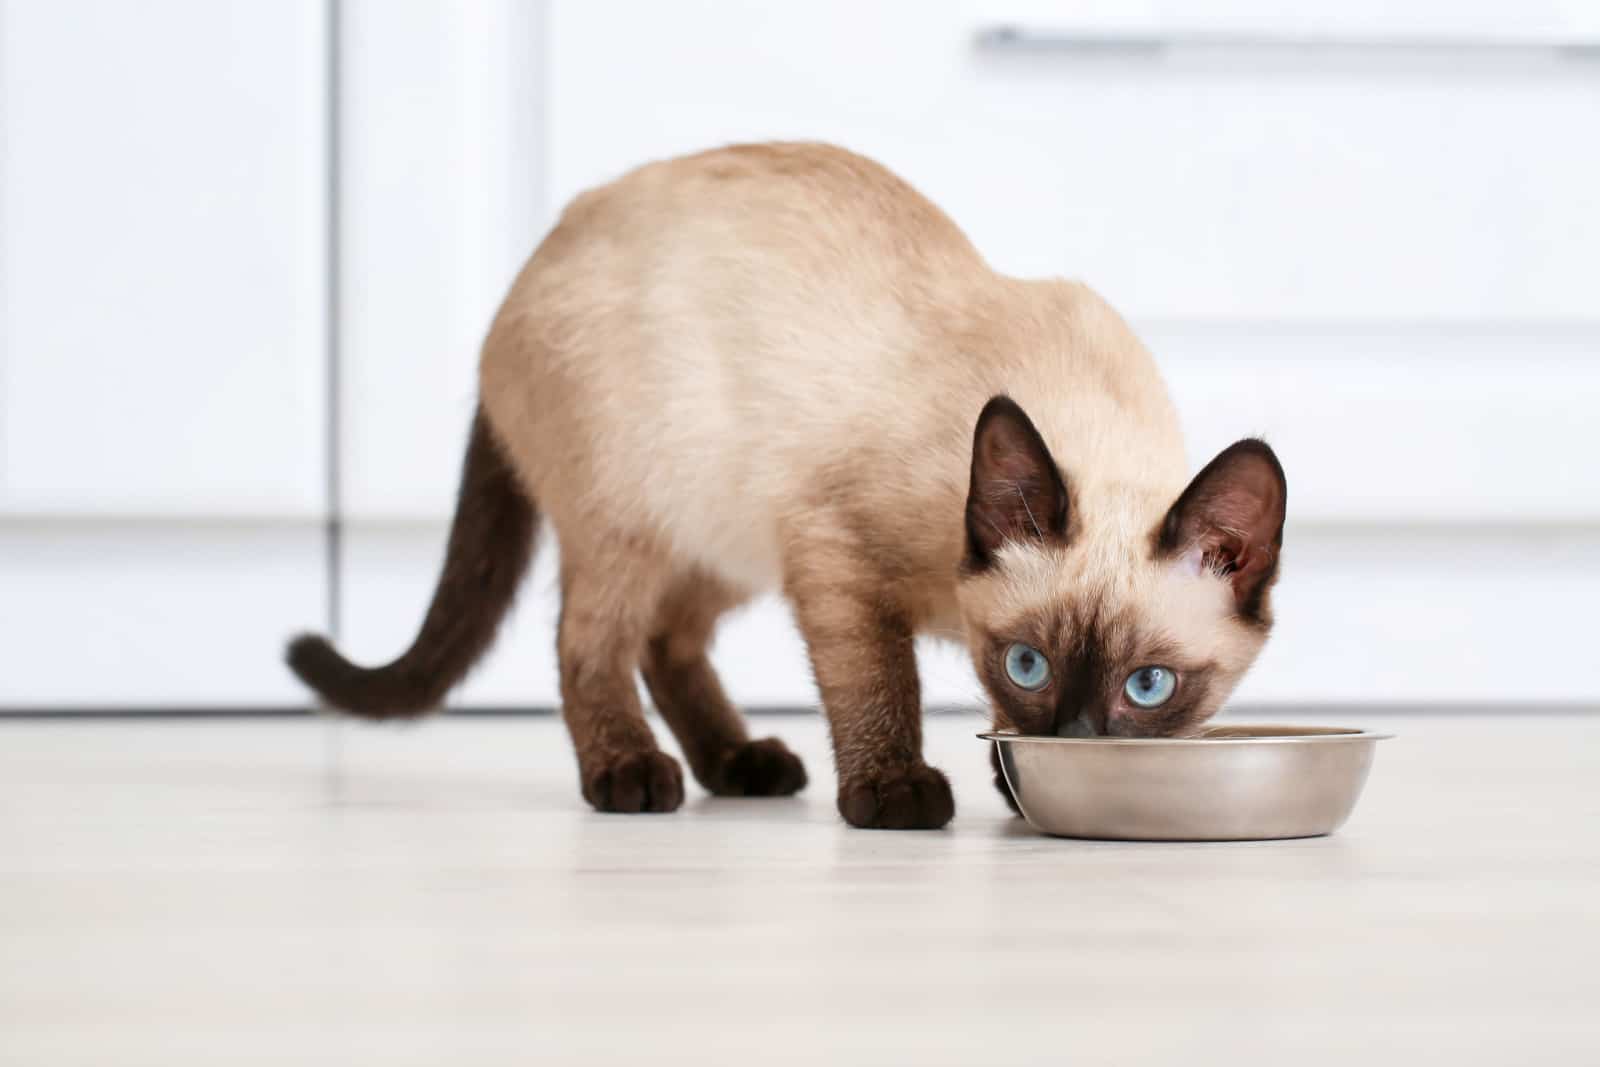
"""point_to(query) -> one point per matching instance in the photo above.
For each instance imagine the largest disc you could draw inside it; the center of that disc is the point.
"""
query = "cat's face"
(1136, 621)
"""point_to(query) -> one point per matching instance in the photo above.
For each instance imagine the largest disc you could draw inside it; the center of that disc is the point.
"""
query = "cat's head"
(1114, 613)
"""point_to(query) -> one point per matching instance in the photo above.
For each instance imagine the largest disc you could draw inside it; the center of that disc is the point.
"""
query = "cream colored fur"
(699, 345)
(760, 368)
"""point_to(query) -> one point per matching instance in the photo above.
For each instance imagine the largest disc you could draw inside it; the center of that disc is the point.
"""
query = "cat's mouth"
(1079, 726)
(1084, 726)
(1045, 726)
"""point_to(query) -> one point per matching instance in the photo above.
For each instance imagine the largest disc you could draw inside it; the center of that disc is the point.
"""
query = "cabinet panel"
(116, 614)
(162, 250)
(1383, 263)
(1381, 257)
(438, 206)
(1203, 183)
(1400, 425)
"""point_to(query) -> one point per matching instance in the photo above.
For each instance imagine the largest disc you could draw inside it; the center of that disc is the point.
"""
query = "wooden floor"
(210, 893)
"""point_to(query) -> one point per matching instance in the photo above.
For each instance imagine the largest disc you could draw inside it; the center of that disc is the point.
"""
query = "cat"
(778, 366)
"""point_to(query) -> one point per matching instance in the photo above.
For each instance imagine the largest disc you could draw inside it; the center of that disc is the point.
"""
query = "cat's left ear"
(1017, 493)
(1230, 521)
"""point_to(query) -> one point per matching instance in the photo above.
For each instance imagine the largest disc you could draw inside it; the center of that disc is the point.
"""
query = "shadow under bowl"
(1230, 783)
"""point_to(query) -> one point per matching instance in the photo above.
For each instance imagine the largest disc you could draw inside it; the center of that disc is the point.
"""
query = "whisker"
(1003, 535)
(1024, 498)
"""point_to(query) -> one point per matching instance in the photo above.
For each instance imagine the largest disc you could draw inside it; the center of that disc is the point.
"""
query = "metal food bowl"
(1230, 783)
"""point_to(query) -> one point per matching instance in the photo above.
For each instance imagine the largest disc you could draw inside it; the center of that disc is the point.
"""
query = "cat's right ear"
(1017, 493)
(1229, 521)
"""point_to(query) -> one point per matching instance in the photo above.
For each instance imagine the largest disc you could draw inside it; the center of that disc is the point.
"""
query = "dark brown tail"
(491, 542)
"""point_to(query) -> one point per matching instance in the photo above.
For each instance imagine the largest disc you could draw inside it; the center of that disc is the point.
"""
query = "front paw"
(634, 782)
(764, 768)
(1000, 782)
(913, 797)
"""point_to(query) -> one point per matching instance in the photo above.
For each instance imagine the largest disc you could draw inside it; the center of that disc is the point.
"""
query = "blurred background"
(248, 249)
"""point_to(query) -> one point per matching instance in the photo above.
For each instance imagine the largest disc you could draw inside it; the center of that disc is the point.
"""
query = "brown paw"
(764, 768)
(633, 782)
(1000, 780)
(904, 798)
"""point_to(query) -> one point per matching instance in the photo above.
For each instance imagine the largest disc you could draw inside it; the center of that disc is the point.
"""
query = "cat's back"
(698, 343)
(719, 313)
(736, 269)
(790, 199)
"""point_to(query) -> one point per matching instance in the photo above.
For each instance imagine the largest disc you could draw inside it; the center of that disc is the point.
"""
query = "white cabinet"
(1382, 258)
(1237, 181)
(440, 168)
(162, 251)
(1344, 248)
(1402, 423)
(440, 205)
(155, 615)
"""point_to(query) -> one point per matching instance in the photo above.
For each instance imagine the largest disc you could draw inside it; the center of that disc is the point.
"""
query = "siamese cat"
(778, 366)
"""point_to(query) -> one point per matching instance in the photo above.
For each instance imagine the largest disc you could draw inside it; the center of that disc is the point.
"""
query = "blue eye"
(1150, 687)
(1027, 667)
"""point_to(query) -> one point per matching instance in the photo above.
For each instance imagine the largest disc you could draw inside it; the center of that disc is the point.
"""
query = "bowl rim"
(1290, 735)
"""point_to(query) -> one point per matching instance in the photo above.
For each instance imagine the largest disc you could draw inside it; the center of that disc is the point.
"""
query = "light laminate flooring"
(289, 892)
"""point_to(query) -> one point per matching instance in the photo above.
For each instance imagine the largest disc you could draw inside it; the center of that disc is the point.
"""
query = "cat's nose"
(1078, 727)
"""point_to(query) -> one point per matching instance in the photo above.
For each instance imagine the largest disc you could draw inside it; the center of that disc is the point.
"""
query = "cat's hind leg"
(685, 690)
(610, 588)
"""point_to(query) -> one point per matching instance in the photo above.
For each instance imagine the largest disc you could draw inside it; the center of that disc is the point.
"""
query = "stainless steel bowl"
(1231, 783)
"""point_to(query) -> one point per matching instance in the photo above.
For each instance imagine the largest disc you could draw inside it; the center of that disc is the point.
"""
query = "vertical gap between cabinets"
(333, 530)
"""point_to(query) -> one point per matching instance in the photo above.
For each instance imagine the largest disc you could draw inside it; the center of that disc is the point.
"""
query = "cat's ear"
(1017, 493)
(1230, 521)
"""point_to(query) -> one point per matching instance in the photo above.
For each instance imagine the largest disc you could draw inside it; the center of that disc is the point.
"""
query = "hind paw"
(764, 768)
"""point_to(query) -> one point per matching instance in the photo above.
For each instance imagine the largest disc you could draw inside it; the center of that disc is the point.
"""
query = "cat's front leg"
(865, 663)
